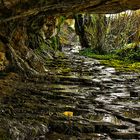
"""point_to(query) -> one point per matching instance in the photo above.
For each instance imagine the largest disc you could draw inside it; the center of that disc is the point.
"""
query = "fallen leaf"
(68, 113)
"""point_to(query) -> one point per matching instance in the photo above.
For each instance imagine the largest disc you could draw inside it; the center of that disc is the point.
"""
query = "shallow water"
(105, 103)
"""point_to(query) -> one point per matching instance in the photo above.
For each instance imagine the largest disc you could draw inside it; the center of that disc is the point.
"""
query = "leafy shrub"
(129, 52)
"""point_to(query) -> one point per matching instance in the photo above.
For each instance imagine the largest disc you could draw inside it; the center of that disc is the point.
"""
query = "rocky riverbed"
(105, 104)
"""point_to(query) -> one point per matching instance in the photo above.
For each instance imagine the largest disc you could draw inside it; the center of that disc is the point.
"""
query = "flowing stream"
(105, 103)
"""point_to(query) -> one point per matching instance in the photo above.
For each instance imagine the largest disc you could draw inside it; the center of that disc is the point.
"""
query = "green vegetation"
(106, 33)
(90, 53)
(114, 39)
(123, 65)
(117, 60)
(51, 46)
(129, 52)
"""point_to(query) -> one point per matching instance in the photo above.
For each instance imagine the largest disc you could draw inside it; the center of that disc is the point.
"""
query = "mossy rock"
(124, 63)
(121, 65)
(90, 53)
(130, 51)
(4, 135)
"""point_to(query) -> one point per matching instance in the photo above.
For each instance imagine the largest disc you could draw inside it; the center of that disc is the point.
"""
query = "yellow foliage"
(70, 22)
(68, 113)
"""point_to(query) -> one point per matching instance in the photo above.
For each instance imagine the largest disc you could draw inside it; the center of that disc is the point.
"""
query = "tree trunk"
(80, 31)
(94, 29)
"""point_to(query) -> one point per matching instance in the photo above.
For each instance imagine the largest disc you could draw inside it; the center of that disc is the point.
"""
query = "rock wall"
(12, 9)
(20, 39)
(27, 24)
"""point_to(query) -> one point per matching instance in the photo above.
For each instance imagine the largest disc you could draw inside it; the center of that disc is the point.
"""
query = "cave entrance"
(103, 33)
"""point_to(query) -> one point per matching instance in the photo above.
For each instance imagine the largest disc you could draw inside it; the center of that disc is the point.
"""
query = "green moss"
(122, 65)
(113, 60)
(65, 70)
(59, 54)
(90, 53)
(129, 52)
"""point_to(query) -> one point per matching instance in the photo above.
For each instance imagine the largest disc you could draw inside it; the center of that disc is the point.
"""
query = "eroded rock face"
(30, 7)
(3, 61)
(27, 24)
(22, 38)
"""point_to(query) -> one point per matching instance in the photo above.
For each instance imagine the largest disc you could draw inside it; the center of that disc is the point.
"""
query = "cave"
(48, 95)
(26, 25)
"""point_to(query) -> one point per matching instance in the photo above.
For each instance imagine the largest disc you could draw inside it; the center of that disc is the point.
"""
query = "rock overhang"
(22, 8)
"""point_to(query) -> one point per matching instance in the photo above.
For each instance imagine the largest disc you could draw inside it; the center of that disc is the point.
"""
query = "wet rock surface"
(105, 103)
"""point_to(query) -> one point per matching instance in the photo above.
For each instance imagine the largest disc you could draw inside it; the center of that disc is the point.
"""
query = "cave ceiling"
(14, 9)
